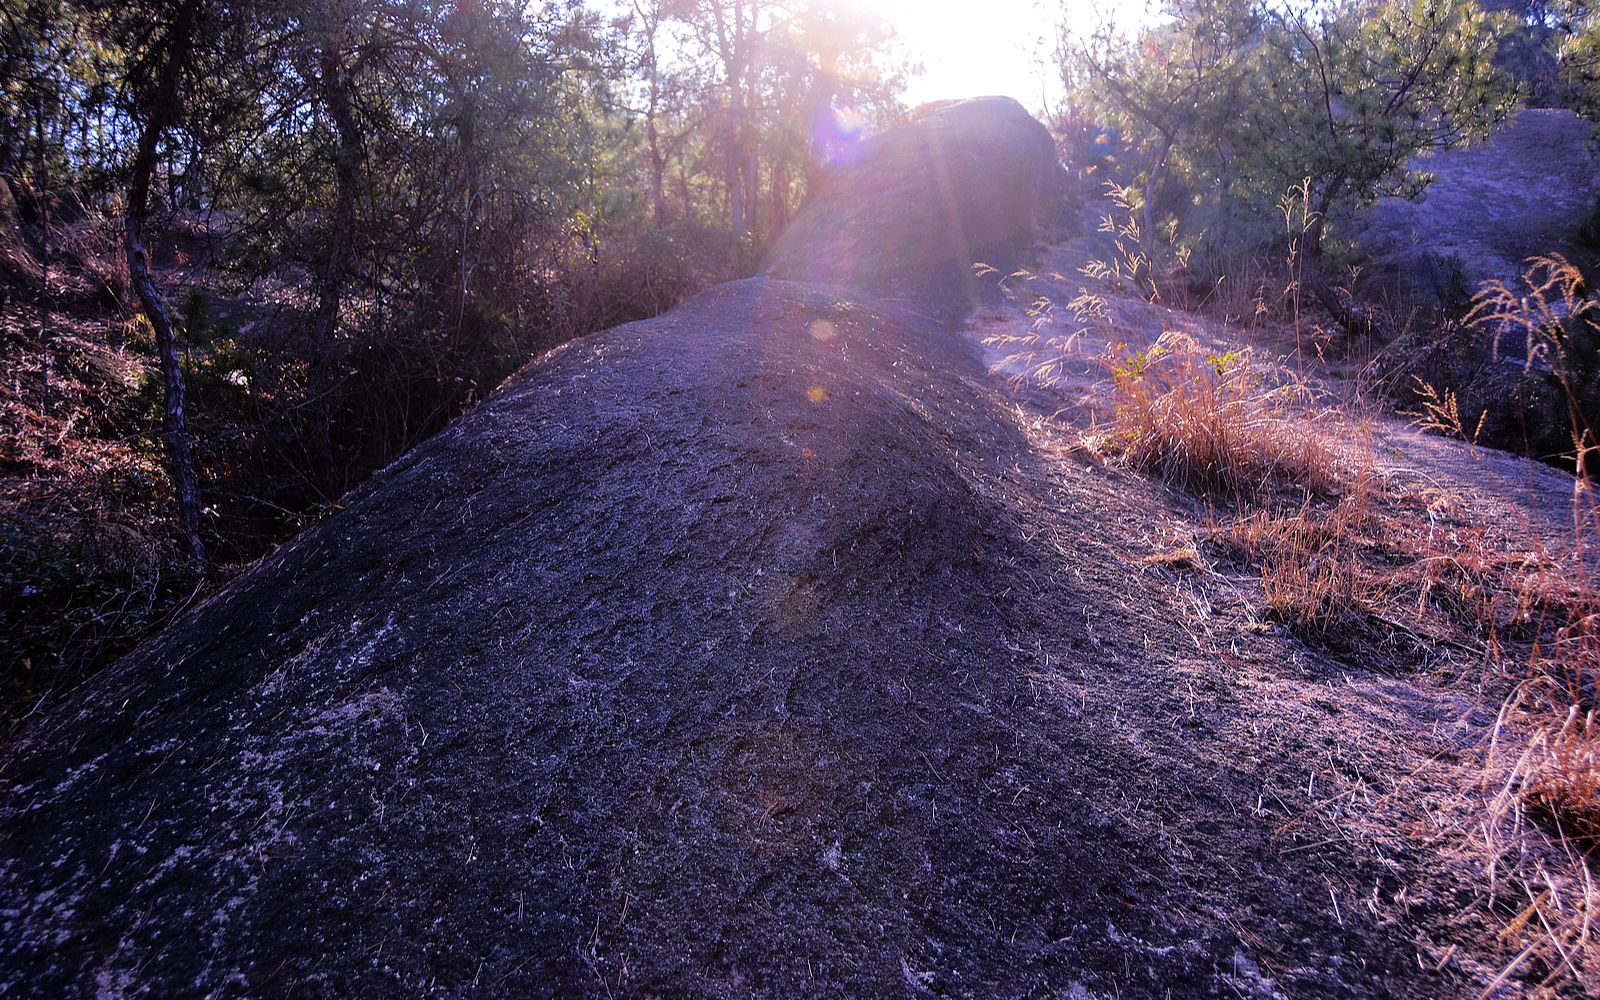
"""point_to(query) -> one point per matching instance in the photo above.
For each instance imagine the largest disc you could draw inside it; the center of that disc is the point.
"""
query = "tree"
(155, 95)
(344, 221)
(772, 70)
(1337, 97)
(647, 25)
(828, 81)
(332, 59)
(732, 33)
(1577, 25)
(1170, 91)
(1354, 92)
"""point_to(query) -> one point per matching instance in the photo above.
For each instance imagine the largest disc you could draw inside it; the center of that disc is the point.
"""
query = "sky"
(970, 48)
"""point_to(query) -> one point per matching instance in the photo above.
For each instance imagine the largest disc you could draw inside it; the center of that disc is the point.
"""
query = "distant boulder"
(1526, 191)
(907, 215)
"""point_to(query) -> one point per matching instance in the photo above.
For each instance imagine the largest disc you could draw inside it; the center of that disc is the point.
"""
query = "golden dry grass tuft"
(1312, 577)
(1561, 790)
(1216, 424)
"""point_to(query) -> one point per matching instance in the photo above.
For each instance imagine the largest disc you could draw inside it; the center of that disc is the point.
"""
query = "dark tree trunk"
(733, 177)
(335, 87)
(42, 181)
(658, 160)
(159, 114)
(734, 47)
(750, 181)
(467, 133)
(1354, 320)
(658, 164)
(779, 197)
(1150, 180)
(10, 66)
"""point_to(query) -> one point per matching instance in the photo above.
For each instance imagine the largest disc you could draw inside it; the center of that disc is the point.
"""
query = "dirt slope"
(766, 649)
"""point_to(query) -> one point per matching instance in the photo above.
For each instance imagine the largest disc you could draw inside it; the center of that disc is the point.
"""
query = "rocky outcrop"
(907, 214)
(750, 651)
(623, 679)
(1487, 209)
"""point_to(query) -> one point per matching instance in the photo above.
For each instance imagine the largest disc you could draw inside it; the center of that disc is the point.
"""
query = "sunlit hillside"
(799, 498)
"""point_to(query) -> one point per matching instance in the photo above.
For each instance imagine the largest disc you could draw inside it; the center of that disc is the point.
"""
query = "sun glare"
(971, 49)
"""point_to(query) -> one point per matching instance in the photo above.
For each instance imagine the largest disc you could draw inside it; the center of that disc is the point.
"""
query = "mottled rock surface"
(1489, 207)
(752, 651)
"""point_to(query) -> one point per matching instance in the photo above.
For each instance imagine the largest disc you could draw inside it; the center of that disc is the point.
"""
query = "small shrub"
(1213, 423)
(1588, 231)
(1556, 319)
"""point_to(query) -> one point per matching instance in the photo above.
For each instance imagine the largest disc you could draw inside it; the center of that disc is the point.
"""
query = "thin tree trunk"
(1149, 205)
(9, 67)
(159, 115)
(749, 165)
(467, 129)
(42, 180)
(1354, 320)
(658, 162)
(779, 196)
(734, 46)
(735, 182)
(750, 180)
(341, 243)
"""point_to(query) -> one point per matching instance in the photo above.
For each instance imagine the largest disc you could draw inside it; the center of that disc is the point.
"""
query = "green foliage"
(1167, 93)
(1577, 33)
(1134, 365)
(1355, 90)
(1240, 100)
(1222, 364)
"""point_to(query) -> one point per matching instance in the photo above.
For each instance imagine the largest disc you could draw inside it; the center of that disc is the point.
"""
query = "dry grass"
(1538, 835)
(1347, 561)
(1555, 298)
(1319, 595)
(1561, 788)
(1216, 424)
(1439, 410)
(1542, 830)
(1312, 577)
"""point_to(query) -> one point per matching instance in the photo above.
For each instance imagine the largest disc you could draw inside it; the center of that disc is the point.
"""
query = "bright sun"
(968, 49)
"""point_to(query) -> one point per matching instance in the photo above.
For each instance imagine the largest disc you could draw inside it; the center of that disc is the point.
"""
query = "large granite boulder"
(750, 651)
(908, 214)
(1489, 207)
(636, 678)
